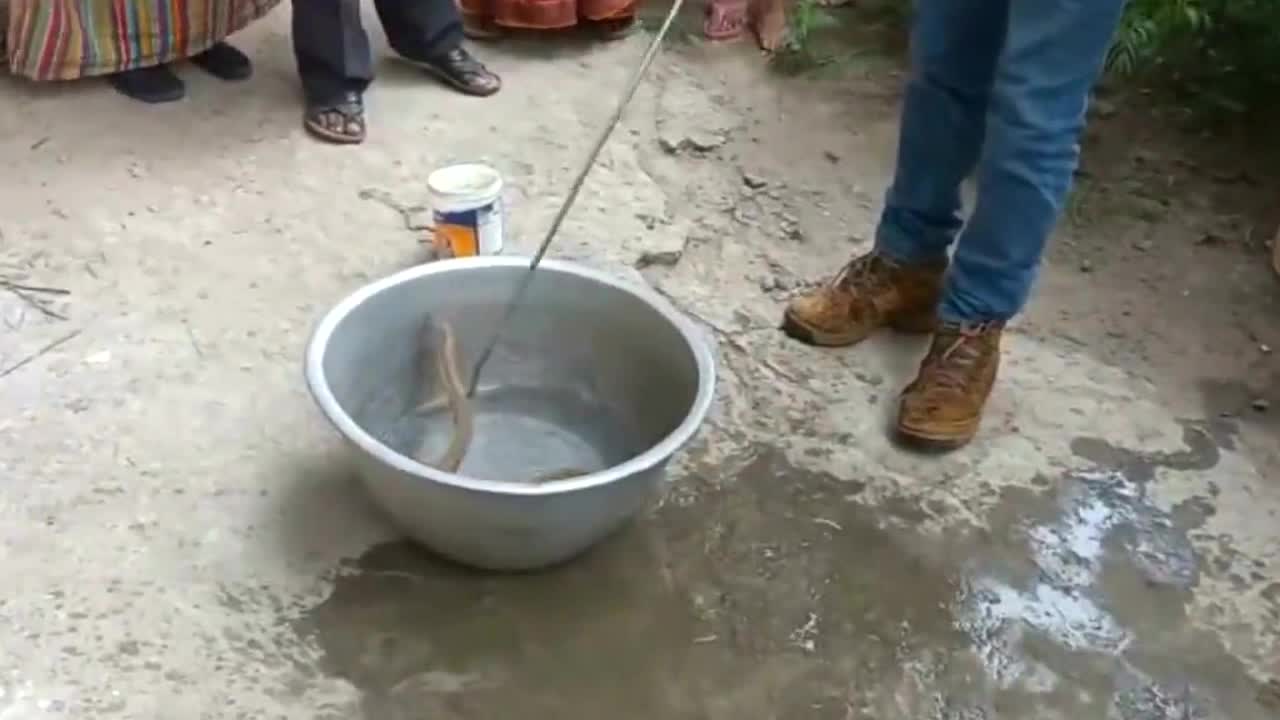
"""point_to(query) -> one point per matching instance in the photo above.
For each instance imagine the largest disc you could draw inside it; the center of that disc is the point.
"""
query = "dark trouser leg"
(421, 29)
(331, 48)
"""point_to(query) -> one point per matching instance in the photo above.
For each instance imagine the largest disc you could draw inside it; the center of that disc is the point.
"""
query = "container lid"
(465, 180)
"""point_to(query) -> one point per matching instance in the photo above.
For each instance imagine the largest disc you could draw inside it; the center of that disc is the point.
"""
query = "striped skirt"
(69, 39)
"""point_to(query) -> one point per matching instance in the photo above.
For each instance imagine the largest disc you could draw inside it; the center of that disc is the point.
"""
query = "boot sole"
(797, 329)
(934, 442)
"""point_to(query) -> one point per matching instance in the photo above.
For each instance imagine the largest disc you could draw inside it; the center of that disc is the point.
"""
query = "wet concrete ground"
(182, 538)
(786, 594)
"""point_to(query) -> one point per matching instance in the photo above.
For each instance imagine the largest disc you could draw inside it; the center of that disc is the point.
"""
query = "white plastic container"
(466, 202)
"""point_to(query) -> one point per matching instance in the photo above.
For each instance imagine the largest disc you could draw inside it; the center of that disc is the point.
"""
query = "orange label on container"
(457, 240)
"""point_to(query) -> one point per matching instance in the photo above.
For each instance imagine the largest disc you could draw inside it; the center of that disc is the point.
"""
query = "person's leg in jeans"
(954, 48)
(1053, 53)
(335, 65)
(428, 33)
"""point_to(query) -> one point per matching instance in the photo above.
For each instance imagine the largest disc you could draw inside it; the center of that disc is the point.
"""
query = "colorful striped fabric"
(69, 39)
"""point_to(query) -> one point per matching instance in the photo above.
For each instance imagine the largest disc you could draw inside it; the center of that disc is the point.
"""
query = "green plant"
(1150, 27)
(806, 17)
(1219, 56)
(800, 51)
(1222, 54)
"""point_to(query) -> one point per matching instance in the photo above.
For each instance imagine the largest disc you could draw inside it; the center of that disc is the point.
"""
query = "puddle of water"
(767, 590)
(1061, 601)
(777, 590)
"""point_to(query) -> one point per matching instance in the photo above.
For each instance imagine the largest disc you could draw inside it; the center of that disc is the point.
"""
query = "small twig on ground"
(194, 344)
(829, 523)
(25, 295)
(34, 288)
(409, 214)
(39, 354)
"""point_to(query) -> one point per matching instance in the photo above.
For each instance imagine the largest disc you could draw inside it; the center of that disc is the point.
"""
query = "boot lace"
(869, 273)
(952, 367)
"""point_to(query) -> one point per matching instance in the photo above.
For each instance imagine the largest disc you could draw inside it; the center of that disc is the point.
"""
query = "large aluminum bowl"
(592, 372)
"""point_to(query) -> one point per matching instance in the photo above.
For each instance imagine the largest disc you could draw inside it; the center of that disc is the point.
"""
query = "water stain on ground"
(1203, 440)
(764, 590)
(771, 590)
(1148, 570)
(1256, 404)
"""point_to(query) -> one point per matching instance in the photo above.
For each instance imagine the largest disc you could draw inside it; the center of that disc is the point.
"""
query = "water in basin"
(522, 434)
(590, 372)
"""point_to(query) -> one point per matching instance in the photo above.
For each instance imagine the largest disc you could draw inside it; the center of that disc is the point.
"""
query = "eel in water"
(438, 351)
(438, 348)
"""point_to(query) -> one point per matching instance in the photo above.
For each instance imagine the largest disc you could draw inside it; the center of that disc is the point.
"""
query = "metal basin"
(592, 373)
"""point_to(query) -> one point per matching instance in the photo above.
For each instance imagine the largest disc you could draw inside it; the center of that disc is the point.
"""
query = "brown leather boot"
(942, 408)
(871, 292)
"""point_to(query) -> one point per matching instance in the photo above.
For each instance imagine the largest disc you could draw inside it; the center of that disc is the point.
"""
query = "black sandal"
(460, 70)
(224, 62)
(155, 84)
(341, 123)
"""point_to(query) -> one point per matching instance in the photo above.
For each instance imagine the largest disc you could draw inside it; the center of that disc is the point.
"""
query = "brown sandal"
(341, 123)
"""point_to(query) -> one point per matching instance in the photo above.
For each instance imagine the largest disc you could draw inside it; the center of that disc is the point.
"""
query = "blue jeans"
(1000, 86)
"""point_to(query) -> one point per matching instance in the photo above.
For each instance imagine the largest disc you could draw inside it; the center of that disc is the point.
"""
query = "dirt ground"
(182, 539)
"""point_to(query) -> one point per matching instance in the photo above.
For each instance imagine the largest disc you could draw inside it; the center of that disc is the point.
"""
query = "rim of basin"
(318, 384)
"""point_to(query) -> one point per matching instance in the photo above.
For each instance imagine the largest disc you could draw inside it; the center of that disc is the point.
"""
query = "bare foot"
(769, 20)
(726, 19)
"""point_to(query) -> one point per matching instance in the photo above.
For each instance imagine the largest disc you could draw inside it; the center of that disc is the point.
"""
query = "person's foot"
(462, 71)
(155, 84)
(942, 408)
(340, 122)
(769, 20)
(224, 62)
(871, 292)
(726, 19)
